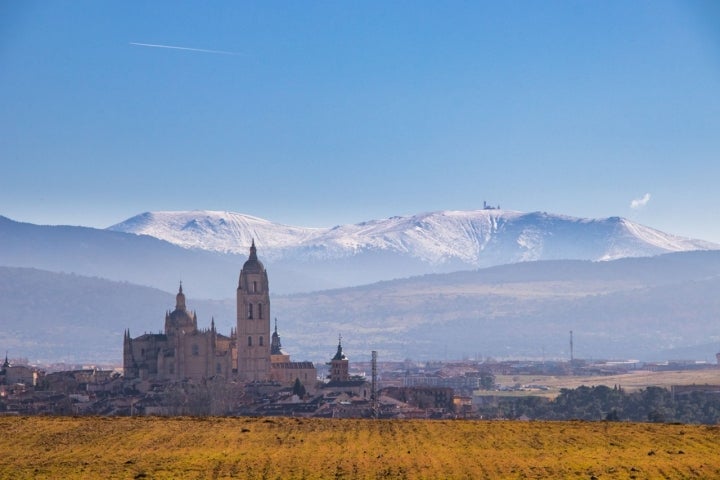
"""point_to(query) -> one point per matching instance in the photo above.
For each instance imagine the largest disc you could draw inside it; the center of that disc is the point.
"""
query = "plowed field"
(288, 448)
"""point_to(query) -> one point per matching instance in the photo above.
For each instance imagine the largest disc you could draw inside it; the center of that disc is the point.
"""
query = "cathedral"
(249, 354)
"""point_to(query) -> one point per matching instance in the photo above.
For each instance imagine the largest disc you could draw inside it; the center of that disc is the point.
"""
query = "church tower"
(277, 356)
(339, 365)
(253, 321)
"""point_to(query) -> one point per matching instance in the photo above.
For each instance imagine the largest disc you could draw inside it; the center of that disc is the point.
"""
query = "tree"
(298, 388)
(487, 381)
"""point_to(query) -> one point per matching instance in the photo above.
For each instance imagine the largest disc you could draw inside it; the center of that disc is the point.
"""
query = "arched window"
(254, 287)
(260, 311)
(249, 341)
(195, 350)
(250, 312)
(260, 341)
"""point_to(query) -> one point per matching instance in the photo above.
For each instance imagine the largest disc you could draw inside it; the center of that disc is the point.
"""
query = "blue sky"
(322, 113)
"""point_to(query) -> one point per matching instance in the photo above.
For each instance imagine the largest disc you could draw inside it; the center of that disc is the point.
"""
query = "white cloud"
(640, 202)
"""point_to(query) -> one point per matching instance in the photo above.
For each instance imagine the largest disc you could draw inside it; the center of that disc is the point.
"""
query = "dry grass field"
(630, 382)
(289, 448)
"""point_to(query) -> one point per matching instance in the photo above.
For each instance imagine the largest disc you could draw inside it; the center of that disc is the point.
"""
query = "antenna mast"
(571, 347)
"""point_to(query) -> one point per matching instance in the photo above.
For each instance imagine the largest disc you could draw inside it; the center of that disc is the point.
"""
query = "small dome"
(253, 264)
(180, 318)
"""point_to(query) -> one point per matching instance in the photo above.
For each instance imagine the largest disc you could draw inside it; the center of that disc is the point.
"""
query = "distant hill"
(208, 248)
(116, 256)
(657, 308)
(52, 317)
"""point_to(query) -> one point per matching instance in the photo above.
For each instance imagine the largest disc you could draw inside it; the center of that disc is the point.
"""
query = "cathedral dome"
(253, 264)
(180, 318)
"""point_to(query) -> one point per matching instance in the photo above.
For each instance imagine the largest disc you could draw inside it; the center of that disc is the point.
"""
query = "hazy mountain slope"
(619, 309)
(145, 260)
(119, 256)
(630, 308)
(60, 317)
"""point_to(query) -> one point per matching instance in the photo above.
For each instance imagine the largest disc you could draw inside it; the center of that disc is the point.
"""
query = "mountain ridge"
(475, 238)
(305, 260)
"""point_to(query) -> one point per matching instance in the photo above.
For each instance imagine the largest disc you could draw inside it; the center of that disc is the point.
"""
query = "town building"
(285, 372)
(340, 379)
(18, 374)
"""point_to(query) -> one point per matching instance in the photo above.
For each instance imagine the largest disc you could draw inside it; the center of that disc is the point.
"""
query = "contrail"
(201, 50)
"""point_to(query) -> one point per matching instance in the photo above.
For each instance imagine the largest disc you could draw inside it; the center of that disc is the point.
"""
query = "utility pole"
(373, 387)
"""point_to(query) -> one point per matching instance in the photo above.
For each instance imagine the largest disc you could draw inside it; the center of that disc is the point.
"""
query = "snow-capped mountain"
(224, 232)
(474, 238)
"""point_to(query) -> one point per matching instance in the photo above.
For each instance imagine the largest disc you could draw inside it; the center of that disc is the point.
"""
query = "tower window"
(218, 368)
(260, 341)
(260, 311)
(249, 341)
(254, 287)
(195, 350)
(250, 310)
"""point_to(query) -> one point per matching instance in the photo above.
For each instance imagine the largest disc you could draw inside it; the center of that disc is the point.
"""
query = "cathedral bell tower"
(339, 365)
(253, 321)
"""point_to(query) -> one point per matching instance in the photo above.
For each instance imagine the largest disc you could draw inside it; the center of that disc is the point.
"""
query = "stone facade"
(249, 354)
(182, 352)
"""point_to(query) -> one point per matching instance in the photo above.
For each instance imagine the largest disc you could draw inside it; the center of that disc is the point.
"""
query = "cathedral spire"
(339, 355)
(253, 251)
(180, 299)
(275, 345)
